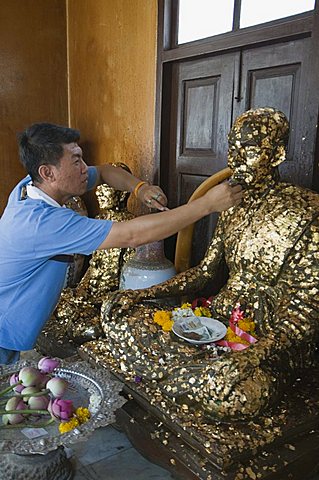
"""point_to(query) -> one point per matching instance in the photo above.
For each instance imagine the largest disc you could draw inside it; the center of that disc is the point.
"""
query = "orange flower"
(164, 319)
(247, 325)
(167, 327)
(232, 337)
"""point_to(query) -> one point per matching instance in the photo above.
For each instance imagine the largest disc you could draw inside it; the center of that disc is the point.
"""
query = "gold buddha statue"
(270, 246)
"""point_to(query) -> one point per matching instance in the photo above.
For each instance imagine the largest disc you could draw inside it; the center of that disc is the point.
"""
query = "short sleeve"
(62, 231)
(92, 178)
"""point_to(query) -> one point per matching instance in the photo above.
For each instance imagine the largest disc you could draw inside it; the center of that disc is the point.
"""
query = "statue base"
(282, 444)
(52, 466)
(185, 459)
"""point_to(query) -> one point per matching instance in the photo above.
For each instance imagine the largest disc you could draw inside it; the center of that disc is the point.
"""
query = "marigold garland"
(198, 311)
(164, 319)
(68, 426)
(247, 325)
(185, 305)
(82, 414)
(202, 312)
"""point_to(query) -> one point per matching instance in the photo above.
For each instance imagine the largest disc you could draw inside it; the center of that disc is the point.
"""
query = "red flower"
(236, 314)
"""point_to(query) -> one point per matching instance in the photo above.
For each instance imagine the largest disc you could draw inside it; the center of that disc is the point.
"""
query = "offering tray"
(87, 387)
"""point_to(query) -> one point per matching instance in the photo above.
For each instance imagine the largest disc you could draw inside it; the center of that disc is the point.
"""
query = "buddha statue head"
(257, 145)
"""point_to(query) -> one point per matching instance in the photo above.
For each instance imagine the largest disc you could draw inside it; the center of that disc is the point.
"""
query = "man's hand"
(118, 178)
(153, 197)
(224, 196)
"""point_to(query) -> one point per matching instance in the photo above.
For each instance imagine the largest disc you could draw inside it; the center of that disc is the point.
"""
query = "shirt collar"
(38, 194)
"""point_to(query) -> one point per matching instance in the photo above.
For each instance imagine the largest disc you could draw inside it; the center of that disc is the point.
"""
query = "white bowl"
(218, 329)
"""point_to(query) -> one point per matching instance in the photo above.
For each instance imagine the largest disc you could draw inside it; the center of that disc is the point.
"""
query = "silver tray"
(87, 387)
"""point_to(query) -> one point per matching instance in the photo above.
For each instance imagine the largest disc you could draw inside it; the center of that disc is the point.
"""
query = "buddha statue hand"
(237, 386)
(117, 304)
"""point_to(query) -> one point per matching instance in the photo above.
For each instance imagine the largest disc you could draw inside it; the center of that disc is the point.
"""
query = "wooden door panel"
(203, 116)
(276, 84)
(276, 87)
(198, 134)
(199, 147)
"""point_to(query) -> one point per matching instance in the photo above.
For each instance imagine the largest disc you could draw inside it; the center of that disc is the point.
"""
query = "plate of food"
(199, 330)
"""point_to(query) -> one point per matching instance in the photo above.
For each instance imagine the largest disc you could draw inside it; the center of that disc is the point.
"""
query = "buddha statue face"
(257, 144)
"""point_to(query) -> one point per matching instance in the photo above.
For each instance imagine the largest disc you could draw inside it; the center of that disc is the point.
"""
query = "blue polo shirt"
(35, 237)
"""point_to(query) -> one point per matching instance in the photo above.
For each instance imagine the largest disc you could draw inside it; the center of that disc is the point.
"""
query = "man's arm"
(149, 228)
(118, 178)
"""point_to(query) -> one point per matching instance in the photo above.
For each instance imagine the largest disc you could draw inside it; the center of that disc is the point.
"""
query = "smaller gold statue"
(270, 246)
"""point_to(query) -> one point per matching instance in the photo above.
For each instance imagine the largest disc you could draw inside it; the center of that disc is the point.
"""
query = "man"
(38, 237)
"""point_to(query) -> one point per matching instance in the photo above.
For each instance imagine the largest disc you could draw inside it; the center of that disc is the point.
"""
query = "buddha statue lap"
(270, 246)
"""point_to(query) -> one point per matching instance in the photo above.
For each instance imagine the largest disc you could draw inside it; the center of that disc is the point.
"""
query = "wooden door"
(212, 92)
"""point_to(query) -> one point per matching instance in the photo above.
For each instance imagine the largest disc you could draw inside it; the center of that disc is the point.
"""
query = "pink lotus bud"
(27, 391)
(15, 379)
(14, 403)
(61, 409)
(47, 364)
(12, 418)
(57, 386)
(30, 376)
(38, 403)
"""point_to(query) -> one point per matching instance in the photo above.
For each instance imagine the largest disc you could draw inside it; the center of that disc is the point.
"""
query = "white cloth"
(38, 194)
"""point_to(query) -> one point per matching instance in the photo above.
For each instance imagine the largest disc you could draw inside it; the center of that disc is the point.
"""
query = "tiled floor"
(108, 454)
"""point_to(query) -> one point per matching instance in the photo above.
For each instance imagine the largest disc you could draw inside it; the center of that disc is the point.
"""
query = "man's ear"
(46, 172)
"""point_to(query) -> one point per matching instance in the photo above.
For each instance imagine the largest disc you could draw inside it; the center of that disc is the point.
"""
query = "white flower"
(182, 312)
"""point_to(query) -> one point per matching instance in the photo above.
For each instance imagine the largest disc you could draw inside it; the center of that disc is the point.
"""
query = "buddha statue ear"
(279, 155)
(279, 130)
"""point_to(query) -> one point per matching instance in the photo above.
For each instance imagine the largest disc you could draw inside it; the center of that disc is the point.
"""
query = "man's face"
(71, 173)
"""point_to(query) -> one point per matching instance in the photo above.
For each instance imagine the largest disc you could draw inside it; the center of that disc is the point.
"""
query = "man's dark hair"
(42, 144)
